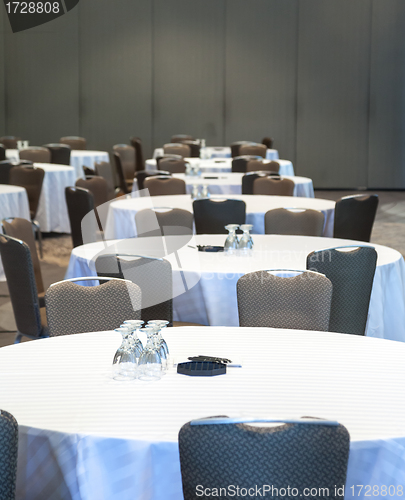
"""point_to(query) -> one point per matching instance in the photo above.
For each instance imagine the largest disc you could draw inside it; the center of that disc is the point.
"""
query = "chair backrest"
(154, 278)
(72, 308)
(79, 203)
(172, 165)
(31, 179)
(249, 178)
(104, 170)
(5, 167)
(21, 229)
(211, 217)
(120, 173)
(98, 186)
(352, 274)
(273, 186)
(127, 157)
(19, 271)
(253, 149)
(293, 455)
(177, 149)
(195, 147)
(294, 221)
(264, 166)
(174, 221)
(144, 174)
(36, 154)
(235, 148)
(181, 138)
(9, 141)
(159, 185)
(239, 163)
(8, 455)
(300, 302)
(2, 152)
(354, 217)
(75, 142)
(268, 142)
(60, 153)
(139, 156)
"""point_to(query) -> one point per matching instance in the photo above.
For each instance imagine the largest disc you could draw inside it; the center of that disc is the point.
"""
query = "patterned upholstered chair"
(8, 455)
(195, 147)
(249, 178)
(351, 271)
(211, 217)
(270, 299)
(235, 147)
(75, 142)
(127, 156)
(9, 141)
(181, 138)
(104, 170)
(172, 165)
(273, 186)
(294, 221)
(177, 149)
(36, 155)
(60, 153)
(239, 163)
(164, 222)
(160, 185)
(72, 308)
(5, 168)
(354, 217)
(253, 149)
(232, 452)
(98, 186)
(263, 165)
(139, 156)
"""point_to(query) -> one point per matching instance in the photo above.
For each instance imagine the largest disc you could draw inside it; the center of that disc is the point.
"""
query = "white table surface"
(84, 436)
(210, 294)
(222, 152)
(222, 165)
(52, 213)
(121, 214)
(13, 203)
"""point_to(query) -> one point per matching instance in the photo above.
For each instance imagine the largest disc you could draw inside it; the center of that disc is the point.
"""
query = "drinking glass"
(150, 362)
(246, 242)
(195, 193)
(134, 325)
(204, 192)
(231, 242)
(158, 325)
(124, 361)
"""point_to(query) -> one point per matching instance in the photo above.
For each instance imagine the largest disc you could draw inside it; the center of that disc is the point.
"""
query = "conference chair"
(354, 217)
(73, 308)
(8, 455)
(268, 142)
(9, 141)
(222, 453)
(211, 216)
(253, 149)
(2, 152)
(180, 138)
(351, 271)
(142, 175)
(98, 186)
(159, 185)
(273, 186)
(172, 165)
(139, 156)
(60, 153)
(177, 149)
(173, 221)
(6, 166)
(122, 182)
(249, 178)
(194, 146)
(75, 142)
(36, 154)
(79, 203)
(264, 166)
(127, 157)
(300, 302)
(239, 163)
(20, 275)
(235, 148)
(103, 169)
(301, 222)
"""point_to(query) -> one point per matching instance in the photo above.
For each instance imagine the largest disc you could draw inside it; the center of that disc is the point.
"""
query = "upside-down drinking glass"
(124, 361)
(231, 242)
(134, 326)
(150, 363)
(246, 242)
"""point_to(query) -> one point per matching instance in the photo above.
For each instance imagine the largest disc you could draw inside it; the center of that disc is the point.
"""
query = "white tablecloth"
(121, 214)
(13, 203)
(222, 152)
(211, 277)
(223, 165)
(83, 436)
(52, 213)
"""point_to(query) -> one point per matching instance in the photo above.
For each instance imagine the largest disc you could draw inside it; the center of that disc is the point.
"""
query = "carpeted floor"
(389, 230)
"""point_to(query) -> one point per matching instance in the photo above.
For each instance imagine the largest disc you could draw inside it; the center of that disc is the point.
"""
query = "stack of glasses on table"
(232, 243)
(132, 360)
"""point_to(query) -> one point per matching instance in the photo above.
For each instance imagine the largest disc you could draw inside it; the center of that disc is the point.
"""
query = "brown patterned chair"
(8, 455)
(9, 141)
(263, 166)
(172, 165)
(36, 154)
(177, 149)
(294, 221)
(159, 185)
(253, 149)
(273, 186)
(173, 221)
(75, 142)
(97, 186)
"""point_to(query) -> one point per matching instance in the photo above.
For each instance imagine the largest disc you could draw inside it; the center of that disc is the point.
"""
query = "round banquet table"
(222, 152)
(204, 283)
(222, 166)
(13, 203)
(121, 214)
(52, 213)
(83, 435)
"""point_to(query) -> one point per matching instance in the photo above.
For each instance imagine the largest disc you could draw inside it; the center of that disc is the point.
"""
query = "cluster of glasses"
(200, 191)
(233, 243)
(133, 360)
(22, 144)
(193, 170)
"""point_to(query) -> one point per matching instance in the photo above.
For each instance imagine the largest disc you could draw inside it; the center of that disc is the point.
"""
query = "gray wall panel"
(333, 90)
(387, 96)
(188, 69)
(42, 80)
(3, 19)
(261, 65)
(116, 71)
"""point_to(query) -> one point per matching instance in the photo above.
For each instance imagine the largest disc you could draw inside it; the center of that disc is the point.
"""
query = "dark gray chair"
(160, 185)
(211, 217)
(79, 203)
(20, 275)
(60, 153)
(8, 455)
(104, 170)
(6, 166)
(249, 178)
(294, 221)
(122, 182)
(75, 142)
(235, 147)
(139, 156)
(354, 217)
(73, 308)
(127, 157)
(268, 142)
(194, 146)
(239, 163)
(351, 274)
(36, 154)
(144, 174)
(220, 453)
(9, 141)
(2, 152)
(174, 221)
(301, 302)
(276, 186)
